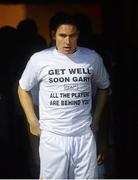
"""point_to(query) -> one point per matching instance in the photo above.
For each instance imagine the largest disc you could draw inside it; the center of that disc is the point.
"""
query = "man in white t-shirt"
(65, 73)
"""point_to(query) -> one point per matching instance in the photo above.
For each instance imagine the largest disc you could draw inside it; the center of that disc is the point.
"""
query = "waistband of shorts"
(81, 133)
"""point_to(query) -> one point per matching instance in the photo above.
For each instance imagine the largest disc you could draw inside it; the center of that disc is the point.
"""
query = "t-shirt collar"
(66, 55)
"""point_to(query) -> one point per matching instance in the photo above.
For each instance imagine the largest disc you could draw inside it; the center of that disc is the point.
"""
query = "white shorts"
(68, 157)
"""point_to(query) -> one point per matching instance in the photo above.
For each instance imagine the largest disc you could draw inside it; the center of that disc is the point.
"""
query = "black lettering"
(72, 71)
(51, 72)
(61, 79)
(54, 103)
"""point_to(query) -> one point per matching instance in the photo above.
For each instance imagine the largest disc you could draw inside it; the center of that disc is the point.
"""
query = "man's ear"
(53, 34)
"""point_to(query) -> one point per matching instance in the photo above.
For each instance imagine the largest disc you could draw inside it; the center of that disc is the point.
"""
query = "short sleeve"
(100, 76)
(30, 76)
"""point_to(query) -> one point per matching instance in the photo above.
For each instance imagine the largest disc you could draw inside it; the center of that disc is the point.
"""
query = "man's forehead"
(67, 27)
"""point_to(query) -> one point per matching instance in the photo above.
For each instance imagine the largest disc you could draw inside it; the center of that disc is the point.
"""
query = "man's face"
(66, 38)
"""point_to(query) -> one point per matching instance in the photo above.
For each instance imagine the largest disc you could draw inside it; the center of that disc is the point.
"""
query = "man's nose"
(67, 40)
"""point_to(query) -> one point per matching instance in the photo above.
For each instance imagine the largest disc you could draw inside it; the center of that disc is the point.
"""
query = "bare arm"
(28, 107)
(101, 100)
(99, 126)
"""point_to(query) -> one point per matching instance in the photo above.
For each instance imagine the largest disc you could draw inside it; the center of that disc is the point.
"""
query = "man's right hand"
(35, 128)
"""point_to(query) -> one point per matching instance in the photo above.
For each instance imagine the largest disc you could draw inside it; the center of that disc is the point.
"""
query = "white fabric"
(68, 157)
(65, 87)
(35, 94)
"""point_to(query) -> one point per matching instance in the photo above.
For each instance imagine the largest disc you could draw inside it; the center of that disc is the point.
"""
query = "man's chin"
(68, 51)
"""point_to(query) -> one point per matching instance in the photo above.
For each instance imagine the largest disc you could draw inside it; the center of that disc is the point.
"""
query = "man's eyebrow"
(74, 33)
(62, 33)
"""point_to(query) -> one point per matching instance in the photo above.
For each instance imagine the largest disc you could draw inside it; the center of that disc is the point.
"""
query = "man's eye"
(73, 36)
(62, 35)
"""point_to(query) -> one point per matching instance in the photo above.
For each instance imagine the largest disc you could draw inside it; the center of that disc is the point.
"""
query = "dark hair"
(62, 18)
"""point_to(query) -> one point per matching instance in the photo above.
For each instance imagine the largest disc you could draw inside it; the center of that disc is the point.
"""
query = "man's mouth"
(67, 47)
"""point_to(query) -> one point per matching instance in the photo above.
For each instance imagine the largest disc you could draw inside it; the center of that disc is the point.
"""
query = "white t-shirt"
(65, 87)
